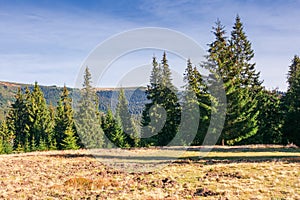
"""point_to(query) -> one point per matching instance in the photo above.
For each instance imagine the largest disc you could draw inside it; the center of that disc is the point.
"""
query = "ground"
(246, 172)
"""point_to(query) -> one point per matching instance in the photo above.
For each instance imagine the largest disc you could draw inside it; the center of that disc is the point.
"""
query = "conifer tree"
(241, 114)
(53, 145)
(196, 93)
(156, 74)
(242, 54)
(291, 102)
(18, 121)
(153, 116)
(31, 142)
(64, 130)
(113, 130)
(70, 140)
(87, 117)
(6, 138)
(270, 119)
(129, 128)
(40, 120)
(163, 108)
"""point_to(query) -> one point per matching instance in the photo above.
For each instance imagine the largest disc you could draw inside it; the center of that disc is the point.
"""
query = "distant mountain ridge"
(107, 96)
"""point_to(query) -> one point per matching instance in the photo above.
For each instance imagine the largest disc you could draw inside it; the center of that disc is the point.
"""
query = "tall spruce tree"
(291, 103)
(242, 54)
(196, 93)
(153, 117)
(164, 107)
(64, 129)
(40, 120)
(241, 114)
(87, 117)
(130, 132)
(170, 103)
(18, 121)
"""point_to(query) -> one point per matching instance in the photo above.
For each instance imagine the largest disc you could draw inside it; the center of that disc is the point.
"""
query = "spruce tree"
(153, 115)
(6, 138)
(87, 117)
(156, 75)
(163, 108)
(270, 119)
(64, 129)
(70, 140)
(33, 144)
(113, 130)
(40, 120)
(18, 121)
(291, 103)
(129, 128)
(196, 94)
(242, 54)
(241, 114)
(53, 145)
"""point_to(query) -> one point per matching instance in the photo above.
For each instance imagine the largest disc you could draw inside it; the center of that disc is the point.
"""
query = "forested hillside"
(107, 97)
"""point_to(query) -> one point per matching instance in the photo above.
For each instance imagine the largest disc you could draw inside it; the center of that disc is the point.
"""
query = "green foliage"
(270, 119)
(196, 100)
(242, 54)
(6, 138)
(40, 126)
(113, 130)
(130, 132)
(291, 103)
(70, 140)
(64, 129)
(253, 115)
(231, 60)
(18, 120)
(87, 117)
(161, 117)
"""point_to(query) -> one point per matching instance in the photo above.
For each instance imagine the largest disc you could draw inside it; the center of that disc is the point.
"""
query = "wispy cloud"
(271, 26)
(47, 43)
(49, 46)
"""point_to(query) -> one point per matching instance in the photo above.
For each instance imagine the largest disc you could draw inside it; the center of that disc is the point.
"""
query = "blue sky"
(47, 41)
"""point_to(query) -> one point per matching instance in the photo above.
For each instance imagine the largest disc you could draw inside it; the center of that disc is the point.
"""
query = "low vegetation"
(241, 172)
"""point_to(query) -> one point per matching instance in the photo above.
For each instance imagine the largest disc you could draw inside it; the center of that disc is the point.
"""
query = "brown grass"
(223, 174)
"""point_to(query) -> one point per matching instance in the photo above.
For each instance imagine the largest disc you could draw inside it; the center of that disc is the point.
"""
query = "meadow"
(240, 172)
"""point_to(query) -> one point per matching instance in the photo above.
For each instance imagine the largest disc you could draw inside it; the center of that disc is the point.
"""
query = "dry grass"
(271, 172)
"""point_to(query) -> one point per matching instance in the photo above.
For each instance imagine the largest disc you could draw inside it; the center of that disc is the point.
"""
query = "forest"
(254, 114)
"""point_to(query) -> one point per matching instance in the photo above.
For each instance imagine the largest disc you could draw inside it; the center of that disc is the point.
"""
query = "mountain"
(108, 97)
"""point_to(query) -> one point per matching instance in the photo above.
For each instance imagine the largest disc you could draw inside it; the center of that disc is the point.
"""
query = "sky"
(49, 40)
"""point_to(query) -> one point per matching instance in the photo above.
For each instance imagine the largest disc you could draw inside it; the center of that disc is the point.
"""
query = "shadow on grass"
(244, 149)
(116, 157)
(189, 159)
(241, 159)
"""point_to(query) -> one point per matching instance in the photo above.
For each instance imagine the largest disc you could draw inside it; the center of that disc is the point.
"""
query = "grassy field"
(245, 172)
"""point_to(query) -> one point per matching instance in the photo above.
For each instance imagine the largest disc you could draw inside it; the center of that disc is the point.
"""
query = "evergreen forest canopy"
(254, 115)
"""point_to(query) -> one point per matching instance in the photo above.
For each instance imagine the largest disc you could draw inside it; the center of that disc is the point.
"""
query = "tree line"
(32, 125)
(254, 115)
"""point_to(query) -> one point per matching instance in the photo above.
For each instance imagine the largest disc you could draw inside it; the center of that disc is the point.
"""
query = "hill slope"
(107, 96)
